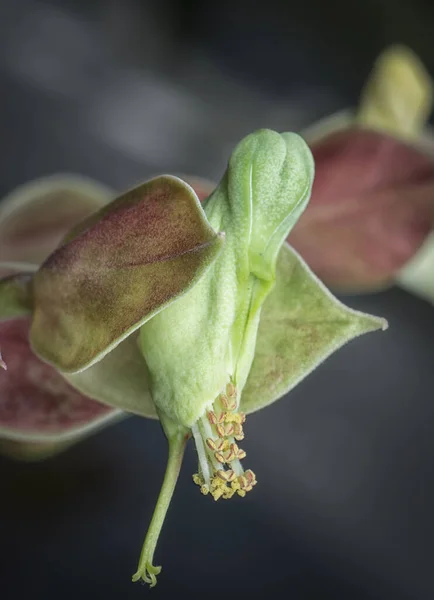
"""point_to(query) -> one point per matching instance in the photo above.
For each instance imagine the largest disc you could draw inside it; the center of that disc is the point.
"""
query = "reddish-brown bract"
(124, 263)
(34, 228)
(371, 208)
(34, 398)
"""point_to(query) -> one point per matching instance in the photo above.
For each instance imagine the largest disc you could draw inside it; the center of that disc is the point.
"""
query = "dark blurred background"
(120, 90)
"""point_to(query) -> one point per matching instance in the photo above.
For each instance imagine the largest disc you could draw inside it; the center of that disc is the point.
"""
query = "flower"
(371, 214)
(195, 314)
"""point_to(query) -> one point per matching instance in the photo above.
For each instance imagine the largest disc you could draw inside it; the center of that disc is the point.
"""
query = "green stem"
(146, 569)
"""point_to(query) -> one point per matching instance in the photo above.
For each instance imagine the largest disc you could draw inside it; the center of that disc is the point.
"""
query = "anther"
(220, 430)
(238, 432)
(211, 444)
(217, 493)
(219, 456)
(230, 390)
(224, 401)
(230, 455)
(222, 474)
(212, 417)
(251, 477)
(229, 429)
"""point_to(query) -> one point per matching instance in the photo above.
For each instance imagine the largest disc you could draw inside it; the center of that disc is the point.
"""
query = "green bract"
(194, 348)
(197, 316)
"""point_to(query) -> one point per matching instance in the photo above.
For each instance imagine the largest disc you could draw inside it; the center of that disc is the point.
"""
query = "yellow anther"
(217, 493)
(241, 493)
(197, 479)
(219, 456)
(220, 430)
(251, 477)
(238, 432)
(235, 485)
(224, 400)
(243, 482)
(226, 476)
(204, 489)
(234, 448)
(229, 429)
(223, 445)
(230, 456)
(222, 474)
(232, 404)
(231, 390)
(212, 417)
(235, 418)
(219, 445)
(237, 452)
(211, 444)
(228, 493)
(230, 475)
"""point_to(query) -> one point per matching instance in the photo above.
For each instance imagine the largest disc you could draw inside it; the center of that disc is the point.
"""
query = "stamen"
(211, 444)
(220, 430)
(201, 452)
(220, 472)
(230, 390)
(220, 457)
(225, 402)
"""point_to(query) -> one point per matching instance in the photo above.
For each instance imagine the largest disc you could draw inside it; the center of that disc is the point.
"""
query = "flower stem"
(146, 570)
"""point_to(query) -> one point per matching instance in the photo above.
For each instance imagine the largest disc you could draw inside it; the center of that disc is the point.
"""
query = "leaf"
(133, 259)
(120, 379)
(35, 216)
(371, 208)
(301, 325)
(36, 403)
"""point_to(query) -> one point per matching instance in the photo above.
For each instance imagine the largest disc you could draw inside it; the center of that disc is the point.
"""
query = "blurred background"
(120, 90)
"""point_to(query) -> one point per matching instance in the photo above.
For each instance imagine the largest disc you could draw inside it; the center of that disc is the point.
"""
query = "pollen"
(220, 472)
